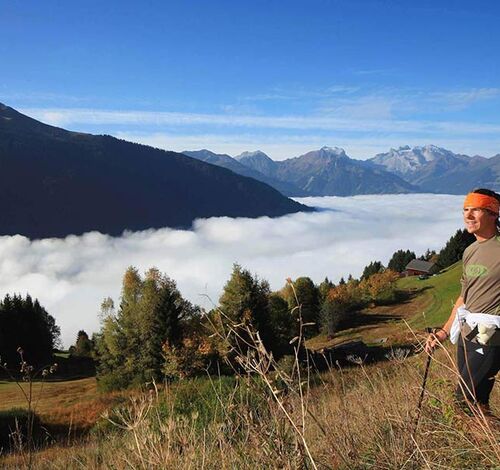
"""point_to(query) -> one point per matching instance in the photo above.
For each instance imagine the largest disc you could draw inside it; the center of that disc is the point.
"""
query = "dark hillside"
(54, 183)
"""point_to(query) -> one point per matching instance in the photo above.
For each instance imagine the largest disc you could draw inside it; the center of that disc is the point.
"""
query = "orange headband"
(483, 201)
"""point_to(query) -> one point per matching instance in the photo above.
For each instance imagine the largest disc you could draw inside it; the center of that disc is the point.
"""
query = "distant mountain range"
(330, 172)
(324, 172)
(234, 165)
(437, 170)
(54, 182)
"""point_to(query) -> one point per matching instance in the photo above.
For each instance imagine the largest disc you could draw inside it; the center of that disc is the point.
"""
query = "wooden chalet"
(417, 267)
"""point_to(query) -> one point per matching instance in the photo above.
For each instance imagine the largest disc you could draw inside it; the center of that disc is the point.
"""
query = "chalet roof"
(419, 265)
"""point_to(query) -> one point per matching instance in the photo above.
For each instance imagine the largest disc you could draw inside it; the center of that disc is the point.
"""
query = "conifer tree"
(307, 295)
(245, 300)
(372, 268)
(323, 289)
(454, 248)
(25, 323)
(164, 311)
(400, 260)
(429, 255)
(83, 345)
(130, 344)
(282, 324)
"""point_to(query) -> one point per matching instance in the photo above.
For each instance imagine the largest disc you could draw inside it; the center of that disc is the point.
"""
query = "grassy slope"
(442, 293)
(429, 303)
(73, 402)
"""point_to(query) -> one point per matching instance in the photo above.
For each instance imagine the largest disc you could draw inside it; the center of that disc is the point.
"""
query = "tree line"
(25, 324)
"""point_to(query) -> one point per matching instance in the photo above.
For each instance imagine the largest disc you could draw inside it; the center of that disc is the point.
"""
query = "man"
(475, 319)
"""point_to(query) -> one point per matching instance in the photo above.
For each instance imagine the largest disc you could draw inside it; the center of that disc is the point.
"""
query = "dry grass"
(75, 404)
(356, 418)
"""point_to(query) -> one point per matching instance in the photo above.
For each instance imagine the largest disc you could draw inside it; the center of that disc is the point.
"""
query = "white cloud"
(71, 116)
(363, 107)
(297, 94)
(464, 98)
(360, 138)
(71, 276)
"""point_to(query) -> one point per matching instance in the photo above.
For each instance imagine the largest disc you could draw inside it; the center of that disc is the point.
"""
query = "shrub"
(203, 401)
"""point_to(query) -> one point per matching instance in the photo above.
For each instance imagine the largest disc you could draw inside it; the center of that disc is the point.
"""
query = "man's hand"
(437, 337)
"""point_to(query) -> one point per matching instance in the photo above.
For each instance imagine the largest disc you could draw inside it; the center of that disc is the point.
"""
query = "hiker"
(475, 319)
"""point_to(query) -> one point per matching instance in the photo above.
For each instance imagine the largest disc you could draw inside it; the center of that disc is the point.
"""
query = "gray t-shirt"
(481, 276)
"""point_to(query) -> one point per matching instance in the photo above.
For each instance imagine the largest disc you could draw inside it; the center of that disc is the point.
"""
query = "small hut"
(417, 267)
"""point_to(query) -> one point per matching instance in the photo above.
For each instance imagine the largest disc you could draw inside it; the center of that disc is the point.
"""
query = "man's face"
(479, 220)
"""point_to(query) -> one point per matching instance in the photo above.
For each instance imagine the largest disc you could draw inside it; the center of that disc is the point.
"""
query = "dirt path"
(383, 323)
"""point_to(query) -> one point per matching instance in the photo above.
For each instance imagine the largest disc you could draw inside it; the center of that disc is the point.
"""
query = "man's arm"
(442, 334)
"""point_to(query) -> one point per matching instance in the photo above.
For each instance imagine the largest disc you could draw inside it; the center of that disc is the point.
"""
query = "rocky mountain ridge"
(329, 171)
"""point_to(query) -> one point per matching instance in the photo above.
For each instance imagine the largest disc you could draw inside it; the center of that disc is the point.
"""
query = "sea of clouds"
(71, 276)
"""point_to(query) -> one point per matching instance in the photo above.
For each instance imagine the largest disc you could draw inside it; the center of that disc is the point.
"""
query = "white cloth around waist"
(472, 319)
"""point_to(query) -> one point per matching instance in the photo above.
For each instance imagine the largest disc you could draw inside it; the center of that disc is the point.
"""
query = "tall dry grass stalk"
(22, 438)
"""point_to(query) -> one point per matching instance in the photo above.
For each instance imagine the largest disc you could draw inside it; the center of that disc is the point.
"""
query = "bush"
(203, 402)
(113, 381)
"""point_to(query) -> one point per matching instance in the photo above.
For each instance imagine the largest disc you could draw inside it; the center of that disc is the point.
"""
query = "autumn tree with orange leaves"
(380, 287)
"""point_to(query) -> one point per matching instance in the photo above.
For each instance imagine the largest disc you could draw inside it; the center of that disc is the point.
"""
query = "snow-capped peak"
(332, 150)
(405, 159)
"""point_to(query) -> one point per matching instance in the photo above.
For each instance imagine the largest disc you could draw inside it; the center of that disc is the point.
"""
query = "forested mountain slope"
(55, 182)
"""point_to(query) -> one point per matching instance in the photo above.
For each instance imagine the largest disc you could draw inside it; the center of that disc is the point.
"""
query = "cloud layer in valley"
(71, 276)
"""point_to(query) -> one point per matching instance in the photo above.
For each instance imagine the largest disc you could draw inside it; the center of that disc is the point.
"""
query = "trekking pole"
(422, 390)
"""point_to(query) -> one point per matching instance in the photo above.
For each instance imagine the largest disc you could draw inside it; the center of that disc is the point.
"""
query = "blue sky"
(283, 77)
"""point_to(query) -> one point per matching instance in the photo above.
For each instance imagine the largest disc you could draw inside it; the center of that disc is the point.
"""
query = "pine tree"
(83, 345)
(282, 324)
(245, 301)
(130, 344)
(400, 260)
(454, 248)
(372, 268)
(25, 323)
(323, 289)
(164, 313)
(429, 255)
